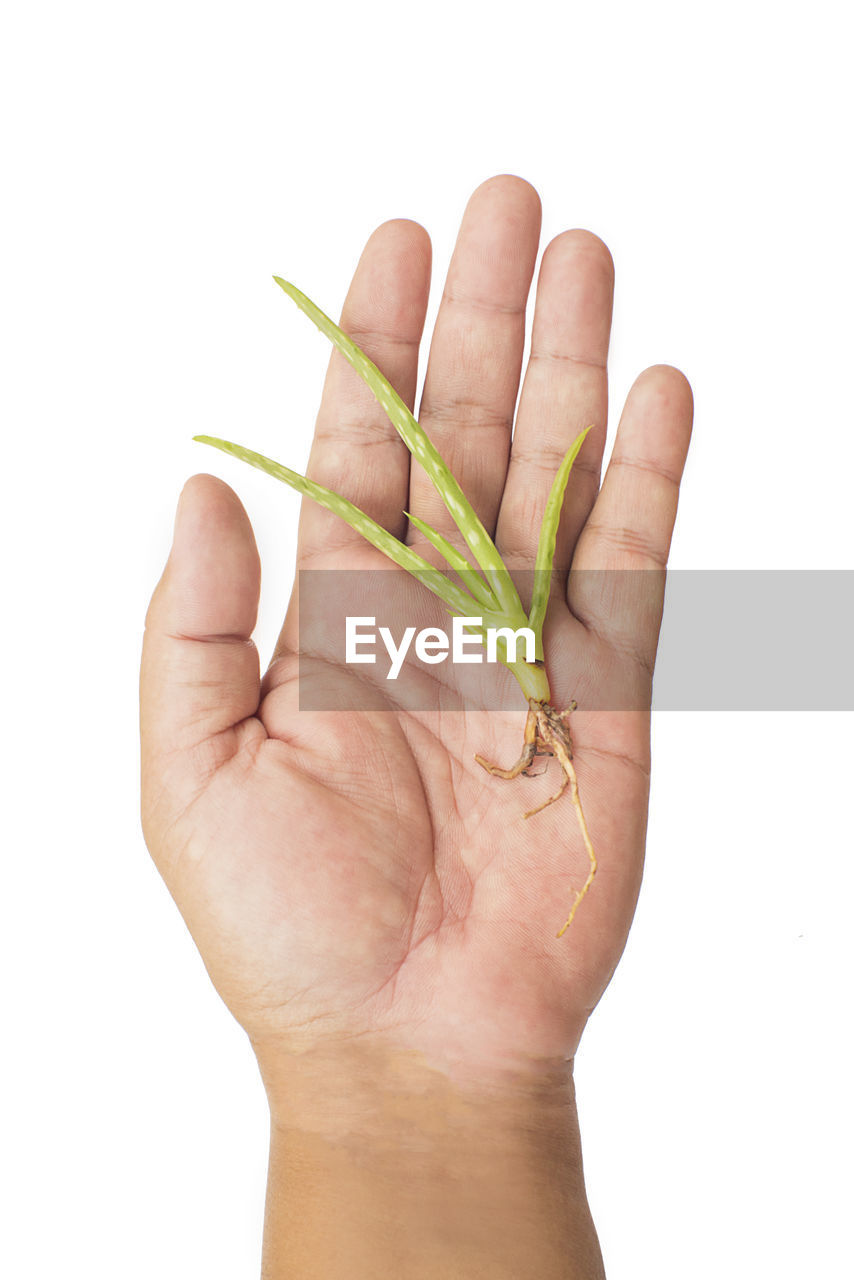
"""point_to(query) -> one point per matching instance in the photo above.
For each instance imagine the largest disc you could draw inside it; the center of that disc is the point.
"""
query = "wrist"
(377, 1157)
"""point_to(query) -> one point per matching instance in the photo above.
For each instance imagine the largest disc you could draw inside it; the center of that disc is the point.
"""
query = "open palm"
(356, 873)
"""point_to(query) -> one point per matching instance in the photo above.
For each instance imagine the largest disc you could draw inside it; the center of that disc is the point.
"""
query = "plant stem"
(533, 680)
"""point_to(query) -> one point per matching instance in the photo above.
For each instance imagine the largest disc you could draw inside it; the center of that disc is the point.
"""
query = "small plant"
(489, 591)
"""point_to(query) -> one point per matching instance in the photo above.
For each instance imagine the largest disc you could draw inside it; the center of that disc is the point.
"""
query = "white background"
(160, 162)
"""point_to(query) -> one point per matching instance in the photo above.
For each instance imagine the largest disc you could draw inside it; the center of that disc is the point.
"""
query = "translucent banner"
(730, 640)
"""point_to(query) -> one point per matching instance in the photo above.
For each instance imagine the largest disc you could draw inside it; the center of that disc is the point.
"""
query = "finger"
(631, 524)
(356, 450)
(565, 390)
(199, 675)
(475, 362)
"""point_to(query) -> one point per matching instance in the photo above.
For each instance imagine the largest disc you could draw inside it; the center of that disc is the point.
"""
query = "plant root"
(547, 734)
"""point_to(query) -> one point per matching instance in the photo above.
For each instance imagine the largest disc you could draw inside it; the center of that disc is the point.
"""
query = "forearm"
(391, 1170)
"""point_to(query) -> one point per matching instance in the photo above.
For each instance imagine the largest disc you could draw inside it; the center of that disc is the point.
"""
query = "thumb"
(200, 674)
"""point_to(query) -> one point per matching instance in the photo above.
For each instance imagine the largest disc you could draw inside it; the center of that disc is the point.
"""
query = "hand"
(371, 904)
(359, 875)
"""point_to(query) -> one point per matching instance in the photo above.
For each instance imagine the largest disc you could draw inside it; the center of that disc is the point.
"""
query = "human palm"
(356, 873)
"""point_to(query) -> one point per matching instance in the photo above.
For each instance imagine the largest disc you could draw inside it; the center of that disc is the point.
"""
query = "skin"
(370, 904)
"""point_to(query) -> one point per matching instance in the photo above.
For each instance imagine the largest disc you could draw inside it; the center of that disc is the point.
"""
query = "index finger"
(356, 450)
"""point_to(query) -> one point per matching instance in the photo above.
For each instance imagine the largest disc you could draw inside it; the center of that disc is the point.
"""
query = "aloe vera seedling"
(489, 592)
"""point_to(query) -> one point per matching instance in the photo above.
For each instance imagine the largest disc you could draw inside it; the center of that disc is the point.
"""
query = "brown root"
(525, 760)
(547, 733)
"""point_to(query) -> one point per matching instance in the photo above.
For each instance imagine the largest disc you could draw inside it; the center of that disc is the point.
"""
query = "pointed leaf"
(458, 562)
(548, 539)
(404, 556)
(421, 447)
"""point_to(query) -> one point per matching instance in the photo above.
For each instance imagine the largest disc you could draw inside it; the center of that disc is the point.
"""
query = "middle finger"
(476, 352)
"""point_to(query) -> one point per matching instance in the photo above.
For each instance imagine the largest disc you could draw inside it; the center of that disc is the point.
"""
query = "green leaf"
(431, 577)
(548, 539)
(422, 448)
(458, 562)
